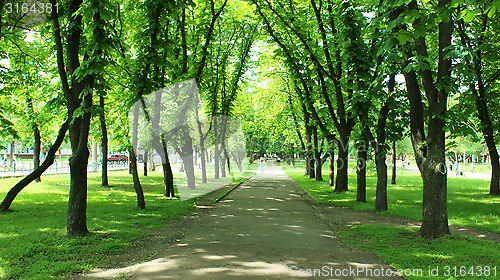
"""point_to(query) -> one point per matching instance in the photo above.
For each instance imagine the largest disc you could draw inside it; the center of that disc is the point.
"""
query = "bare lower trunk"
(104, 144)
(145, 163)
(393, 179)
(187, 159)
(137, 183)
(492, 149)
(381, 193)
(317, 157)
(36, 150)
(222, 162)
(216, 161)
(168, 176)
(361, 172)
(342, 166)
(203, 164)
(331, 174)
(77, 205)
(495, 174)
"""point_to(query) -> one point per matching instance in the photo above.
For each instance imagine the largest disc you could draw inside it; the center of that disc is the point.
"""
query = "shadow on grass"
(468, 202)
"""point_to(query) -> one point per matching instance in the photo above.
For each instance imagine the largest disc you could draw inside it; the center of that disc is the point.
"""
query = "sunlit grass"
(33, 243)
(469, 204)
(405, 249)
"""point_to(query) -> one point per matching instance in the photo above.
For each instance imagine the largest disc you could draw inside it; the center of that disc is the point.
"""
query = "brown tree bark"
(141, 203)
(145, 162)
(331, 174)
(394, 169)
(342, 163)
(430, 150)
(317, 156)
(104, 142)
(79, 127)
(361, 171)
(37, 145)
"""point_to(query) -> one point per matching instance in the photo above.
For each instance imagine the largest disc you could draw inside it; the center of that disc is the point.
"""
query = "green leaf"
(470, 15)
(493, 10)
(404, 37)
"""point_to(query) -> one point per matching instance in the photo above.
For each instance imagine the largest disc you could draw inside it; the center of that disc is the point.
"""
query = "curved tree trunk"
(51, 154)
(37, 139)
(141, 203)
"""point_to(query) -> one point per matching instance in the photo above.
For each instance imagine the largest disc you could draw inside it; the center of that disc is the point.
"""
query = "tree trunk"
(331, 174)
(317, 156)
(77, 205)
(222, 162)
(137, 183)
(430, 151)
(342, 165)
(168, 176)
(381, 193)
(11, 158)
(310, 151)
(361, 171)
(104, 143)
(187, 159)
(203, 163)
(216, 160)
(133, 159)
(381, 154)
(145, 163)
(393, 179)
(36, 150)
(228, 161)
(51, 154)
(37, 139)
(489, 138)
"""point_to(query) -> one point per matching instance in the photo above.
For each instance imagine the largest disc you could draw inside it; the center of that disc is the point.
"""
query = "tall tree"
(428, 144)
(477, 37)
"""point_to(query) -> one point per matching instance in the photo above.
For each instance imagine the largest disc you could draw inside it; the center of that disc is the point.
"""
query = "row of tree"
(98, 58)
(340, 62)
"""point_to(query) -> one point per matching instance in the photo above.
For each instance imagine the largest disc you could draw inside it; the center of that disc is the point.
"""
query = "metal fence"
(25, 168)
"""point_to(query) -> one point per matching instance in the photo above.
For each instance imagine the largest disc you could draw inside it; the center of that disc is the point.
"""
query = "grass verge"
(33, 242)
(469, 204)
(453, 257)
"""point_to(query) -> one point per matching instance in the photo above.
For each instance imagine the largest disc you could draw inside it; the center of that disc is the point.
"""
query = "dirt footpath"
(265, 229)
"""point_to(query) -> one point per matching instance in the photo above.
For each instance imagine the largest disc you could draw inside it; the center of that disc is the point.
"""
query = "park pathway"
(265, 229)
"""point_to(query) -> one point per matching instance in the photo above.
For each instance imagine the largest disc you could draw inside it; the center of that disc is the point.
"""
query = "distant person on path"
(262, 163)
(472, 167)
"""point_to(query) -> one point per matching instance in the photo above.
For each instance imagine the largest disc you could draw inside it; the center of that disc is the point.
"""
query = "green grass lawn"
(468, 205)
(33, 242)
